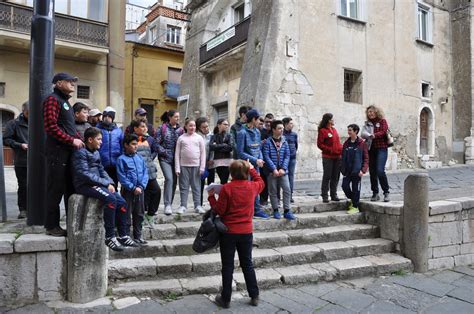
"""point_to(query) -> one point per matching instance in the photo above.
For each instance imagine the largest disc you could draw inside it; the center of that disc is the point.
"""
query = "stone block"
(440, 263)
(468, 231)
(446, 233)
(336, 250)
(443, 207)
(39, 243)
(208, 263)
(390, 227)
(270, 239)
(466, 202)
(161, 288)
(328, 272)
(125, 302)
(300, 254)
(467, 248)
(313, 220)
(353, 267)
(266, 278)
(371, 246)
(444, 251)
(306, 236)
(273, 224)
(179, 246)
(17, 278)
(389, 263)
(131, 268)
(6, 242)
(390, 208)
(187, 229)
(163, 231)
(171, 265)
(463, 260)
(444, 217)
(51, 275)
(201, 285)
(265, 257)
(299, 274)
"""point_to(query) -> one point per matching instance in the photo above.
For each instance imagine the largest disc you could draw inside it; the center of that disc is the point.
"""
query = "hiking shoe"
(325, 199)
(276, 214)
(335, 198)
(127, 241)
(220, 302)
(22, 214)
(141, 241)
(352, 210)
(113, 244)
(375, 198)
(181, 210)
(254, 301)
(168, 210)
(349, 204)
(386, 197)
(261, 215)
(56, 232)
(150, 220)
(289, 215)
(199, 210)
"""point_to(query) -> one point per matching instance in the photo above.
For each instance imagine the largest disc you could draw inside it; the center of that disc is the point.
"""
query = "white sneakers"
(199, 210)
(168, 210)
(181, 210)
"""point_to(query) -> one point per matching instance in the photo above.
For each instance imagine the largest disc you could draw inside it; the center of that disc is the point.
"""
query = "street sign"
(220, 38)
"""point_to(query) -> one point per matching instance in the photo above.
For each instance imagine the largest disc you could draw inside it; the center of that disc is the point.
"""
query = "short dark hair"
(354, 127)
(261, 119)
(244, 110)
(79, 106)
(275, 123)
(136, 123)
(165, 117)
(287, 120)
(269, 116)
(239, 170)
(130, 137)
(200, 121)
(91, 133)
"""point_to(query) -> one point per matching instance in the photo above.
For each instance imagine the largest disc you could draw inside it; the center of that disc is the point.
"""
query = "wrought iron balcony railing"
(225, 41)
(18, 18)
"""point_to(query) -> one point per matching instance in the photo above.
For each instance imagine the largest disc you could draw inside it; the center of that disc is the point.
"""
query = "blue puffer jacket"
(111, 148)
(88, 170)
(248, 145)
(132, 172)
(165, 142)
(292, 140)
(276, 158)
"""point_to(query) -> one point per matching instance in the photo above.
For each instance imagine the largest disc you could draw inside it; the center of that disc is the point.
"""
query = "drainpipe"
(134, 54)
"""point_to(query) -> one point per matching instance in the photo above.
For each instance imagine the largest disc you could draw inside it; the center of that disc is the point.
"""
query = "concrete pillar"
(87, 254)
(415, 221)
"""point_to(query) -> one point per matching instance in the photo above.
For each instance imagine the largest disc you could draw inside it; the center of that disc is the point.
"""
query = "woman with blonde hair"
(374, 132)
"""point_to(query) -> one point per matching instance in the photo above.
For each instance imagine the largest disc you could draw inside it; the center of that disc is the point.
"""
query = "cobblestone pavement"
(448, 291)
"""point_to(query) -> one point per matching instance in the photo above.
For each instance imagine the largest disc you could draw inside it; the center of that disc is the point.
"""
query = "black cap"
(63, 77)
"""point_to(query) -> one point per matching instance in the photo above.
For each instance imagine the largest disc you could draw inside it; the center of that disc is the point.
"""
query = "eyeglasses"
(226, 124)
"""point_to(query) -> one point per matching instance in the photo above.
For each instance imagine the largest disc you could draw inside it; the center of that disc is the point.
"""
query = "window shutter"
(338, 7)
(429, 27)
(363, 7)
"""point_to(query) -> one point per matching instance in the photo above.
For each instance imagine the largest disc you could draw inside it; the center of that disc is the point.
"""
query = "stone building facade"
(304, 58)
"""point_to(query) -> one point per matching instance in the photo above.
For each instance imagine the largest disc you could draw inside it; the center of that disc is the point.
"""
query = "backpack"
(208, 233)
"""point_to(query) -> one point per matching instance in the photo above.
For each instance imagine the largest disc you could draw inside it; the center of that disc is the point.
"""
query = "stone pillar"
(469, 148)
(415, 221)
(87, 254)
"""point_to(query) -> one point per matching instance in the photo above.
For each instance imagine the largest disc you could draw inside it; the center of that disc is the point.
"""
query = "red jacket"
(236, 201)
(329, 143)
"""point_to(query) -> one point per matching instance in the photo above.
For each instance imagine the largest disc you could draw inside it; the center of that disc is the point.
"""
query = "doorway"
(424, 131)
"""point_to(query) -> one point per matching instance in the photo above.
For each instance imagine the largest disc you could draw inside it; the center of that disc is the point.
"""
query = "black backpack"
(208, 233)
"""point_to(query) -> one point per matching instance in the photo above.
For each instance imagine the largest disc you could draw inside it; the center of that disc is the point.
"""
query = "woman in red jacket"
(235, 206)
(330, 145)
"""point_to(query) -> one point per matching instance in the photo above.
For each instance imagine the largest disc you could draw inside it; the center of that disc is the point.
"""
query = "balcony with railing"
(17, 18)
(225, 41)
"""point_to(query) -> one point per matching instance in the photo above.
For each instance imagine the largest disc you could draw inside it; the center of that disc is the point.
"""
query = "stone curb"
(39, 243)
(6, 242)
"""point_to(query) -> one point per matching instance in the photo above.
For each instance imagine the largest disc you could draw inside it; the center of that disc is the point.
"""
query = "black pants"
(351, 187)
(264, 194)
(59, 183)
(152, 197)
(135, 212)
(223, 173)
(21, 176)
(331, 173)
(210, 179)
(114, 209)
(112, 172)
(243, 243)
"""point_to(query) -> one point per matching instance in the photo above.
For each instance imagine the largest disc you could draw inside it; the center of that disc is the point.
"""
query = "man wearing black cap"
(61, 140)
(140, 114)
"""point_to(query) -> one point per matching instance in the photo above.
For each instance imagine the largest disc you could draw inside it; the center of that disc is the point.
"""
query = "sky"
(142, 3)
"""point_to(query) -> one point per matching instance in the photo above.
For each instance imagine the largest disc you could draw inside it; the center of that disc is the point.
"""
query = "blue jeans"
(228, 243)
(291, 173)
(170, 182)
(377, 161)
(256, 207)
(351, 187)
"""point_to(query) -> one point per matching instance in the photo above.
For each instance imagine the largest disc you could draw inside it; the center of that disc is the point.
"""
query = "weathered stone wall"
(32, 268)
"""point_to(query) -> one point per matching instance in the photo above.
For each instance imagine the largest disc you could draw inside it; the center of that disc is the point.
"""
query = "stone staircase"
(323, 244)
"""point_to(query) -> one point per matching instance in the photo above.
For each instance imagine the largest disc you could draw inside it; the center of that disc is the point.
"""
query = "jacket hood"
(108, 127)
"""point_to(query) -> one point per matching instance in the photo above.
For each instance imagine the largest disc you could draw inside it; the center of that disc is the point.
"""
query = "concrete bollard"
(415, 221)
(87, 255)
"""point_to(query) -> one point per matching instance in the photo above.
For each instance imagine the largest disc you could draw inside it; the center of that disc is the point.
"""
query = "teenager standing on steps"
(330, 145)
(292, 139)
(220, 147)
(202, 129)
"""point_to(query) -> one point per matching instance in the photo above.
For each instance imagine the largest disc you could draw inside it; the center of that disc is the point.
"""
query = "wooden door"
(424, 115)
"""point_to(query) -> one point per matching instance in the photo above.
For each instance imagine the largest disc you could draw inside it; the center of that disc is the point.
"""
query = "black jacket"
(221, 144)
(16, 133)
(88, 170)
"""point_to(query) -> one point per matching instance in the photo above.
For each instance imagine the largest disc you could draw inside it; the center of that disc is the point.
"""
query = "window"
(83, 92)
(425, 18)
(2, 89)
(174, 75)
(221, 111)
(239, 13)
(88, 9)
(173, 34)
(425, 90)
(354, 9)
(153, 34)
(353, 86)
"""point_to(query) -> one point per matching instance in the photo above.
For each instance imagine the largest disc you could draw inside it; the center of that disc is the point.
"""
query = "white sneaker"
(181, 210)
(168, 210)
(199, 210)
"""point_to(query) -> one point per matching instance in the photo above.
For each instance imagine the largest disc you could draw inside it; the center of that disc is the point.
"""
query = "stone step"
(315, 206)
(168, 267)
(175, 230)
(368, 265)
(261, 240)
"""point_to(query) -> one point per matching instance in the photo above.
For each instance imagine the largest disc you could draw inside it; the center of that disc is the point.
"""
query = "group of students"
(354, 158)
